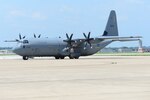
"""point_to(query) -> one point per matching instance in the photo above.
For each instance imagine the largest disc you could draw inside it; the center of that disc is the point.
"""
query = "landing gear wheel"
(62, 57)
(56, 57)
(76, 57)
(25, 58)
(71, 57)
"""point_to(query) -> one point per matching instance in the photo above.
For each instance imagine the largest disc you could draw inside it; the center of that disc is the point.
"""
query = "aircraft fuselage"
(73, 48)
(55, 47)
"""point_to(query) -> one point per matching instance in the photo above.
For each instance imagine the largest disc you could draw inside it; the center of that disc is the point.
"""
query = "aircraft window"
(23, 46)
(25, 41)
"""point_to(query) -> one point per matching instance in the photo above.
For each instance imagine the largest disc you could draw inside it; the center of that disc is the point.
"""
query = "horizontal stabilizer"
(116, 37)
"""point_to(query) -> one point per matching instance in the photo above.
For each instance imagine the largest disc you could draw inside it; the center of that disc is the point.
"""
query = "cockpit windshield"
(25, 41)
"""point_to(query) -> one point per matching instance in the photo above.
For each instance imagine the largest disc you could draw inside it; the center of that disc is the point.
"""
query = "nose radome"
(16, 50)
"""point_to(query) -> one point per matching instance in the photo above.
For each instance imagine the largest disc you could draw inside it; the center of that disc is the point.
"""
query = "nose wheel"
(25, 58)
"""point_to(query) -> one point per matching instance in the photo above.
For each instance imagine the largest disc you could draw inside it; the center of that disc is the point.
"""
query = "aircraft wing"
(78, 42)
(13, 41)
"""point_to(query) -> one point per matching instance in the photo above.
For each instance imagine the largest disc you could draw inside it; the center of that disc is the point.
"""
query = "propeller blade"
(17, 40)
(67, 36)
(85, 44)
(34, 36)
(85, 35)
(39, 36)
(71, 37)
(20, 36)
(89, 35)
(89, 43)
(24, 37)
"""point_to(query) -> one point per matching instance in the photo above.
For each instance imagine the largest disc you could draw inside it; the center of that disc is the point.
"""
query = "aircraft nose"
(16, 50)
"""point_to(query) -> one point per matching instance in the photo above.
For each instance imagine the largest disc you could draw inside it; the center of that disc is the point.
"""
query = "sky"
(54, 18)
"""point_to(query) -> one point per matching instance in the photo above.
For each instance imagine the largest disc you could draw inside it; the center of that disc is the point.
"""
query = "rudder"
(111, 27)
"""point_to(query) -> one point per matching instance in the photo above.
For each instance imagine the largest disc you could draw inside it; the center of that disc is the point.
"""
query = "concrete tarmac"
(88, 78)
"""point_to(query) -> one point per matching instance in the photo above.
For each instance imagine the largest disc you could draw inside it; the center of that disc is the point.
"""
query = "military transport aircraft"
(73, 48)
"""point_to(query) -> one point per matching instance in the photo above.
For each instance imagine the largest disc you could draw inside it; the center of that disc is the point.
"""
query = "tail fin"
(111, 27)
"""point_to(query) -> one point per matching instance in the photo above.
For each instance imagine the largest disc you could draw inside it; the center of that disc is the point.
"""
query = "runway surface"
(88, 78)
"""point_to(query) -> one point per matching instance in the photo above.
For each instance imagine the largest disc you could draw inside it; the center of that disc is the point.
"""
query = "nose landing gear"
(25, 58)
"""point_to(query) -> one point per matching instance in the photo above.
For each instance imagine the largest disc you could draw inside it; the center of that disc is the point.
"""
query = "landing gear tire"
(76, 57)
(56, 57)
(25, 58)
(59, 57)
(71, 57)
(62, 57)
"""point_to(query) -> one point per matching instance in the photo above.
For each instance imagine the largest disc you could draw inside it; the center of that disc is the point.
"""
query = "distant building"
(6, 50)
(146, 49)
(126, 49)
(108, 50)
(119, 49)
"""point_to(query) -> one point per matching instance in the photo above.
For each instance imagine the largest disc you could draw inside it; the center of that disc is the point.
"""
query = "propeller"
(17, 40)
(20, 37)
(69, 39)
(88, 39)
(37, 36)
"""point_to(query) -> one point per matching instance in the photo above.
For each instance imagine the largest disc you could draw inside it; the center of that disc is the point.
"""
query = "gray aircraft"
(73, 48)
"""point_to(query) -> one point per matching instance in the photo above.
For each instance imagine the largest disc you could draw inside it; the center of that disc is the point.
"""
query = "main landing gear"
(59, 57)
(62, 57)
(73, 57)
(25, 58)
(56, 57)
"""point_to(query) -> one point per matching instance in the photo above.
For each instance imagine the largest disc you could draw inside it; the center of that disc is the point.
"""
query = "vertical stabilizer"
(111, 27)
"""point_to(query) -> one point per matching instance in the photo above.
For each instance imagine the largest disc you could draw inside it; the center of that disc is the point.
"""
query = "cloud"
(16, 13)
(38, 16)
(135, 1)
(35, 15)
(66, 8)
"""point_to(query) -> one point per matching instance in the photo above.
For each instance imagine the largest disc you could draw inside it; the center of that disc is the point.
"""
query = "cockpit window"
(24, 46)
(25, 42)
